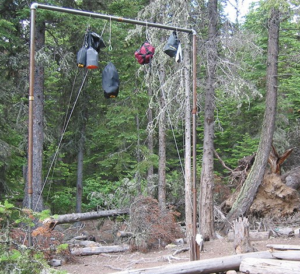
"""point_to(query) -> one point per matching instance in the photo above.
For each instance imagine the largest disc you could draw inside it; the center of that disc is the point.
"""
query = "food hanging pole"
(194, 252)
(109, 17)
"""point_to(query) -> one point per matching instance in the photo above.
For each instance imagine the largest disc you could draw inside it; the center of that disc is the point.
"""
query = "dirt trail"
(111, 263)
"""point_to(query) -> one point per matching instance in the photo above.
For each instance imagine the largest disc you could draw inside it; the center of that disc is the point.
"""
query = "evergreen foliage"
(115, 144)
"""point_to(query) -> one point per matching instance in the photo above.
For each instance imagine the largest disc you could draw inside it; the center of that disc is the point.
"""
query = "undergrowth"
(152, 227)
(16, 255)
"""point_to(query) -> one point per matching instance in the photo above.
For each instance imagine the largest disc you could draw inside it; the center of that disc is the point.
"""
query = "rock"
(55, 262)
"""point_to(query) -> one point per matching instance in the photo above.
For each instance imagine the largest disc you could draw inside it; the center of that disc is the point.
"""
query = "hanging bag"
(110, 81)
(97, 42)
(172, 45)
(87, 56)
(81, 54)
(145, 53)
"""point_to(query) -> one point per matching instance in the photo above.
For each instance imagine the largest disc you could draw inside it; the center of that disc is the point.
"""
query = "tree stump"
(241, 236)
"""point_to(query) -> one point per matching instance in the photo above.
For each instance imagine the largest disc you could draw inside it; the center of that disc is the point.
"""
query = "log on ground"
(94, 250)
(221, 264)
(253, 236)
(292, 255)
(267, 266)
(285, 252)
(283, 247)
(77, 217)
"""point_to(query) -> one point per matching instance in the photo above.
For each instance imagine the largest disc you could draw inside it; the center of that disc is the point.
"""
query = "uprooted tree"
(257, 172)
(276, 196)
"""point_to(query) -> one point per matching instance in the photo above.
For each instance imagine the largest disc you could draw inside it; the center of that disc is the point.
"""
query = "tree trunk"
(80, 172)
(187, 151)
(83, 251)
(256, 175)
(76, 217)
(138, 157)
(207, 176)
(38, 127)
(162, 147)
(150, 173)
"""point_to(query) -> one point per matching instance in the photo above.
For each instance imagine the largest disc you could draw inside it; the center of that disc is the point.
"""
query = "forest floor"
(115, 262)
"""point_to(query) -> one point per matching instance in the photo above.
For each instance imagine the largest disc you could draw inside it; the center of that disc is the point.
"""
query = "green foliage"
(115, 131)
(62, 248)
(15, 257)
(109, 195)
(63, 200)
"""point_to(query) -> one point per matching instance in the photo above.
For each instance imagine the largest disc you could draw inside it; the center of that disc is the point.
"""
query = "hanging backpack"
(145, 53)
(110, 81)
(172, 45)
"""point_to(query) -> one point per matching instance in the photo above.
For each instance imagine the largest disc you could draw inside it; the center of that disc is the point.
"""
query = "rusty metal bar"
(30, 114)
(194, 112)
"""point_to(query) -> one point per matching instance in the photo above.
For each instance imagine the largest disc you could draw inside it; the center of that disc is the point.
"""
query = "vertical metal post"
(196, 250)
(30, 114)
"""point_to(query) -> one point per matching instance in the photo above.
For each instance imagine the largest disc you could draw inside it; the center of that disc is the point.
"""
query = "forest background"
(99, 153)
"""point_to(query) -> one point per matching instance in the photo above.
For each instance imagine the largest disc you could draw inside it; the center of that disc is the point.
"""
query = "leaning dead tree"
(272, 185)
(257, 172)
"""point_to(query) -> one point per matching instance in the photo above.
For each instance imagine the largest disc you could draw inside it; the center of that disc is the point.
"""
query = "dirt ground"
(115, 262)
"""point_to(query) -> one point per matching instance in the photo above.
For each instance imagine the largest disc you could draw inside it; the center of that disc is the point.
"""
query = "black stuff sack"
(110, 81)
(172, 45)
(97, 42)
(145, 53)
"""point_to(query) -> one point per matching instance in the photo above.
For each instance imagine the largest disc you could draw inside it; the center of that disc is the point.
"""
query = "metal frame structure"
(194, 251)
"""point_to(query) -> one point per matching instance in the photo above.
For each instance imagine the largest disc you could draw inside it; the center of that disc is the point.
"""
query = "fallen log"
(267, 266)
(285, 252)
(95, 250)
(77, 217)
(287, 255)
(85, 243)
(283, 247)
(253, 236)
(124, 234)
(204, 267)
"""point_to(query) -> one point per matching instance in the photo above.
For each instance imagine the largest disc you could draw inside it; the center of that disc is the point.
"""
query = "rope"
(172, 128)
(62, 136)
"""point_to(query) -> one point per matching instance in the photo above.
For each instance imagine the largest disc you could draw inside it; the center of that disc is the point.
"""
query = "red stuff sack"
(145, 53)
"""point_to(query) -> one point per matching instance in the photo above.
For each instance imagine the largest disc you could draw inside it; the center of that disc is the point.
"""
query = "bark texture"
(38, 127)
(215, 265)
(256, 175)
(207, 177)
(162, 147)
(187, 148)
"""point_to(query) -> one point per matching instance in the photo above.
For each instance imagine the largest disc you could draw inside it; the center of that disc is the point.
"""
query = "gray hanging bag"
(172, 45)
